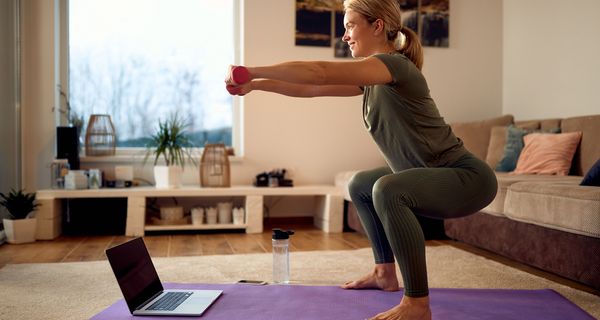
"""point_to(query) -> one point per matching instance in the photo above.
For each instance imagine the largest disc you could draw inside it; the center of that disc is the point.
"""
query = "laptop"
(143, 290)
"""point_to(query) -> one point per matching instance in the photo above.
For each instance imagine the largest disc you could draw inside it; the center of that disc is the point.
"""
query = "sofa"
(546, 221)
(550, 222)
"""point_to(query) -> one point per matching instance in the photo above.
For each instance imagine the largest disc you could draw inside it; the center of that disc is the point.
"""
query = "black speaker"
(67, 145)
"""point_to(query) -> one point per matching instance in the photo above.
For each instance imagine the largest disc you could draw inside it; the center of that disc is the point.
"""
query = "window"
(141, 60)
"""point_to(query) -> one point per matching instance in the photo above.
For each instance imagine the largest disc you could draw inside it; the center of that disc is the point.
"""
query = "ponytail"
(410, 46)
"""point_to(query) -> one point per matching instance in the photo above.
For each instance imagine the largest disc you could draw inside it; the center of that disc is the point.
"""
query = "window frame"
(125, 154)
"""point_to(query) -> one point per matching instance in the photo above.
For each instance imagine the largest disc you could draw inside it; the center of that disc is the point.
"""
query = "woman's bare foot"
(408, 309)
(383, 277)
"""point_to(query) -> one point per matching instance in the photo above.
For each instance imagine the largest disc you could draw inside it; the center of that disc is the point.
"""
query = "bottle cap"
(279, 234)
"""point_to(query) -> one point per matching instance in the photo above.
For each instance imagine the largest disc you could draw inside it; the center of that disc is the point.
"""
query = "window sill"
(135, 159)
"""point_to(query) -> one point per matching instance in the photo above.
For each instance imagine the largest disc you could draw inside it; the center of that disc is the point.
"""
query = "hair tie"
(400, 40)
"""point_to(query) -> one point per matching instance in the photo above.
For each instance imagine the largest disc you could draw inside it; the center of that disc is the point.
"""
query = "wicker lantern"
(100, 138)
(214, 166)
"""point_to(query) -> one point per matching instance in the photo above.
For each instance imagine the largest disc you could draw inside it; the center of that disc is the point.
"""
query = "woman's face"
(359, 34)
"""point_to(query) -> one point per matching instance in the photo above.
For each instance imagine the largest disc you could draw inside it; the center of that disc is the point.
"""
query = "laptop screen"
(134, 271)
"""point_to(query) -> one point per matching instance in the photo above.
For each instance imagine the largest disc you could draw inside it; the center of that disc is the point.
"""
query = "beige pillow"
(496, 147)
(548, 153)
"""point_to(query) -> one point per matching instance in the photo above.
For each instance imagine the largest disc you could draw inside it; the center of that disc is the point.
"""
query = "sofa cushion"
(514, 145)
(476, 134)
(512, 149)
(505, 180)
(548, 153)
(499, 136)
(589, 148)
(565, 206)
(496, 146)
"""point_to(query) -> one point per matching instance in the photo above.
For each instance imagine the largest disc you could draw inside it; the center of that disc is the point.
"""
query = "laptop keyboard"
(170, 301)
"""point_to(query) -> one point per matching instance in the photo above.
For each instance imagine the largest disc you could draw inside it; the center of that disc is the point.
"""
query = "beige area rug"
(78, 290)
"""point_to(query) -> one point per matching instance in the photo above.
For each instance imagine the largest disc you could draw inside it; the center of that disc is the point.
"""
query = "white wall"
(315, 138)
(551, 58)
(466, 78)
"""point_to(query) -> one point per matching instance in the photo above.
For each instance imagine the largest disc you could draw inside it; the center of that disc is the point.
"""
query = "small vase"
(197, 215)
(211, 215)
(238, 216)
(224, 212)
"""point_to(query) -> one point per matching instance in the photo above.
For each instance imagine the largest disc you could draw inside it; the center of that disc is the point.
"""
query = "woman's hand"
(239, 90)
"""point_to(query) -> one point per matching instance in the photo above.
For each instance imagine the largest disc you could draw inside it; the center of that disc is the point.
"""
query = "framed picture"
(435, 18)
(313, 22)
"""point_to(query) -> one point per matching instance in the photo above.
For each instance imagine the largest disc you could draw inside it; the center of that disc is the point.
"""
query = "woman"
(429, 171)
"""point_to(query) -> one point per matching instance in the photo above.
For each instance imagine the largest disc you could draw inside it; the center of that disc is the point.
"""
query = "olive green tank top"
(405, 122)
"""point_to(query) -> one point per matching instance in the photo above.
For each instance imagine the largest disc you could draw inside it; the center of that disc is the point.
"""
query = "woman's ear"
(379, 26)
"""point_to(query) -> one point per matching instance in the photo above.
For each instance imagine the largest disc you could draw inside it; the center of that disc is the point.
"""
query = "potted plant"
(21, 226)
(170, 143)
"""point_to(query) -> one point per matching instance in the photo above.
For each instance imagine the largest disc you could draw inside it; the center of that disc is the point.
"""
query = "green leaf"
(19, 204)
(170, 142)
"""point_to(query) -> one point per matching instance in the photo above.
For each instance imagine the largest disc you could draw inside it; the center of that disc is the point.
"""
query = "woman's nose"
(345, 38)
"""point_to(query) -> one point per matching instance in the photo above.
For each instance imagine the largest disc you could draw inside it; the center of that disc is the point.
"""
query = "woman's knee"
(359, 184)
(391, 191)
(362, 182)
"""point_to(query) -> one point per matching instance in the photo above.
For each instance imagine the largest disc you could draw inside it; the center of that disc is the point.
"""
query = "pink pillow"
(548, 153)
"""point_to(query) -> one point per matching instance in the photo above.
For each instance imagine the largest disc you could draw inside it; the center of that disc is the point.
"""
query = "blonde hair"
(405, 40)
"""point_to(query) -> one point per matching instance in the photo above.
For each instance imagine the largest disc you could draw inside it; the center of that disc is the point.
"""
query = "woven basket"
(214, 166)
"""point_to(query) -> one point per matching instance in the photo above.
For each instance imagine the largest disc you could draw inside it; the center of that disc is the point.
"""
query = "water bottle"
(281, 256)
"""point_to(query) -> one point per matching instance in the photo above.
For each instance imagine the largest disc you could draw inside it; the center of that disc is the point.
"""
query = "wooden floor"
(90, 248)
(306, 238)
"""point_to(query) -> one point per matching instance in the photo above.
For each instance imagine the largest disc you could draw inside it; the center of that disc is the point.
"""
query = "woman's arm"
(299, 90)
(368, 71)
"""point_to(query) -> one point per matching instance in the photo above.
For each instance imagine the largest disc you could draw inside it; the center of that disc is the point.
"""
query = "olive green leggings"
(387, 203)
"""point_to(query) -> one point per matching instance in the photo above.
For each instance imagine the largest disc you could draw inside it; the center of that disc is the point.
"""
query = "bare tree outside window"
(139, 61)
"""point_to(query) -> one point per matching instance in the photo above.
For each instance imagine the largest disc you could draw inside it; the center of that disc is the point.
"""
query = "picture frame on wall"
(435, 20)
(313, 23)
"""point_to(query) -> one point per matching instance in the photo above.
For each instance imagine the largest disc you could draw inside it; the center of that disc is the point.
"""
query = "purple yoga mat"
(251, 302)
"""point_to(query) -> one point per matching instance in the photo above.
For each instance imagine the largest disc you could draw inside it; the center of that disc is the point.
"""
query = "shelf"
(328, 215)
(188, 191)
(224, 226)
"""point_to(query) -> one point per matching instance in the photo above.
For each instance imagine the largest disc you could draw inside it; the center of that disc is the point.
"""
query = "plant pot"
(167, 176)
(20, 231)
